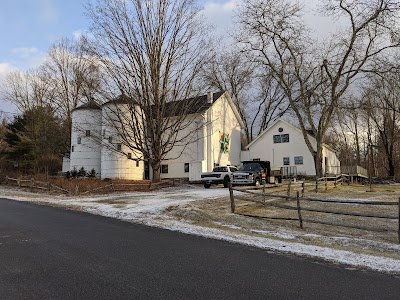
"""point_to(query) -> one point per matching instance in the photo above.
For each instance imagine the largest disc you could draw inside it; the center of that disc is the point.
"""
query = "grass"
(215, 213)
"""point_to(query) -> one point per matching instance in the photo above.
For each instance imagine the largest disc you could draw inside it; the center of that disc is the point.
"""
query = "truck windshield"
(250, 167)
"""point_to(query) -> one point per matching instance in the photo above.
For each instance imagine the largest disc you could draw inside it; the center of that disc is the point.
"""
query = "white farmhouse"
(283, 145)
(216, 140)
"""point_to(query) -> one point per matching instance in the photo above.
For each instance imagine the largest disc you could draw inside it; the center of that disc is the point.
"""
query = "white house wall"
(204, 150)
(333, 163)
(264, 148)
(192, 150)
(116, 163)
(87, 153)
(225, 122)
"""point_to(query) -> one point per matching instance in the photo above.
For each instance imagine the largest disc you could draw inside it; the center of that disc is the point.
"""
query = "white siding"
(264, 148)
(87, 154)
(203, 149)
(116, 164)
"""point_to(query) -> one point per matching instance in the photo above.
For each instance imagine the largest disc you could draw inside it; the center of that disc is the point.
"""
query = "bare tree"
(315, 78)
(27, 90)
(152, 52)
(382, 106)
(74, 76)
(258, 99)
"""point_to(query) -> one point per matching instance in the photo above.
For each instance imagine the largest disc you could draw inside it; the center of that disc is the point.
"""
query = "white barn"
(217, 128)
(283, 145)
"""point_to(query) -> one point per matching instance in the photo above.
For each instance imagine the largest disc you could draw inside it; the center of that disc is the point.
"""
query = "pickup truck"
(220, 174)
(255, 172)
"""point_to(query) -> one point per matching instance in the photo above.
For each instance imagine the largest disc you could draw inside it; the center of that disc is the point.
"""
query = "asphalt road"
(51, 253)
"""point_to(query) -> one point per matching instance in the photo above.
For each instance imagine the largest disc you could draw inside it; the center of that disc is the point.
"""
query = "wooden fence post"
(77, 189)
(32, 184)
(326, 183)
(316, 184)
(232, 198)
(173, 181)
(398, 232)
(299, 210)
(289, 186)
(302, 189)
(264, 190)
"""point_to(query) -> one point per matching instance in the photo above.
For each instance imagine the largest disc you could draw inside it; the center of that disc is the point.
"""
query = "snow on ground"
(148, 207)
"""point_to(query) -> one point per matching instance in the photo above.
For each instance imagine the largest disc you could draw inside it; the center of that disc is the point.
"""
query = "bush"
(82, 172)
(92, 173)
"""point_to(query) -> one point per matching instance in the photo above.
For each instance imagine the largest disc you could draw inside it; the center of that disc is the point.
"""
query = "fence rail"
(297, 203)
(77, 189)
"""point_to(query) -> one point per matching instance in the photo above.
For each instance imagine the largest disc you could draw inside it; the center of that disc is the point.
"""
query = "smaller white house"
(283, 145)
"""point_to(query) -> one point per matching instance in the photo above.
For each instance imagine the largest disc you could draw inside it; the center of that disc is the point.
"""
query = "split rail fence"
(300, 204)
(77, 189)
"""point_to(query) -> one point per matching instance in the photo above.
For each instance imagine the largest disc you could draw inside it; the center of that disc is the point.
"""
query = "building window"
(186, 167)
(87, 133)
(164, 169)
(286, 161)
(298, 160)
(129, 155)
(277, 138)
(285, 138)
(281, 138)
(137, 164)
(79, 140)
(119, 147)
(72, 148)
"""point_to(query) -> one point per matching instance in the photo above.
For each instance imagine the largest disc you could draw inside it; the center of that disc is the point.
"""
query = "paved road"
(50, 253)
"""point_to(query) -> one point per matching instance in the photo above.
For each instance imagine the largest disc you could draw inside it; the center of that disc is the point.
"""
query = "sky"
(29, 27)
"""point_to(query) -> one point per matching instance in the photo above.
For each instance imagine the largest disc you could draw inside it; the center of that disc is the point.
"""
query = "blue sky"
(29, 27)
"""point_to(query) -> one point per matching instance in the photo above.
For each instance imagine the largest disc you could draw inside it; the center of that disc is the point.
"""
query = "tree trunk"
(156, 171)
(317, 155)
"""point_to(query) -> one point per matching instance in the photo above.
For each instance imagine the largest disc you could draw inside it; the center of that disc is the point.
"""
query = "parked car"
(219, 175)
(255, 172)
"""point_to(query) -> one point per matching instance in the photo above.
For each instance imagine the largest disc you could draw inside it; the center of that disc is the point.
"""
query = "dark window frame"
(164, 169)
(299, 160)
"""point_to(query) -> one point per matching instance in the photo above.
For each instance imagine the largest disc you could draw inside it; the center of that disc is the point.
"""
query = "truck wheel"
(207, 185)
(226, 182)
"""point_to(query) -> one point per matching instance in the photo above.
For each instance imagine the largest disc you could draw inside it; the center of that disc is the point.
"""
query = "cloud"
(5, 68)
(220, 12)
(220, 15)
(27, 57)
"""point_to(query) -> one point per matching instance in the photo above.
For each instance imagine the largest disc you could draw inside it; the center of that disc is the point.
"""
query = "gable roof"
(290, 125)
(91, 104)
(192, 105)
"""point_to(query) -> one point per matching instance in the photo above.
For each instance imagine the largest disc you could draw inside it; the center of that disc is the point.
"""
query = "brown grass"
(215, 213)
